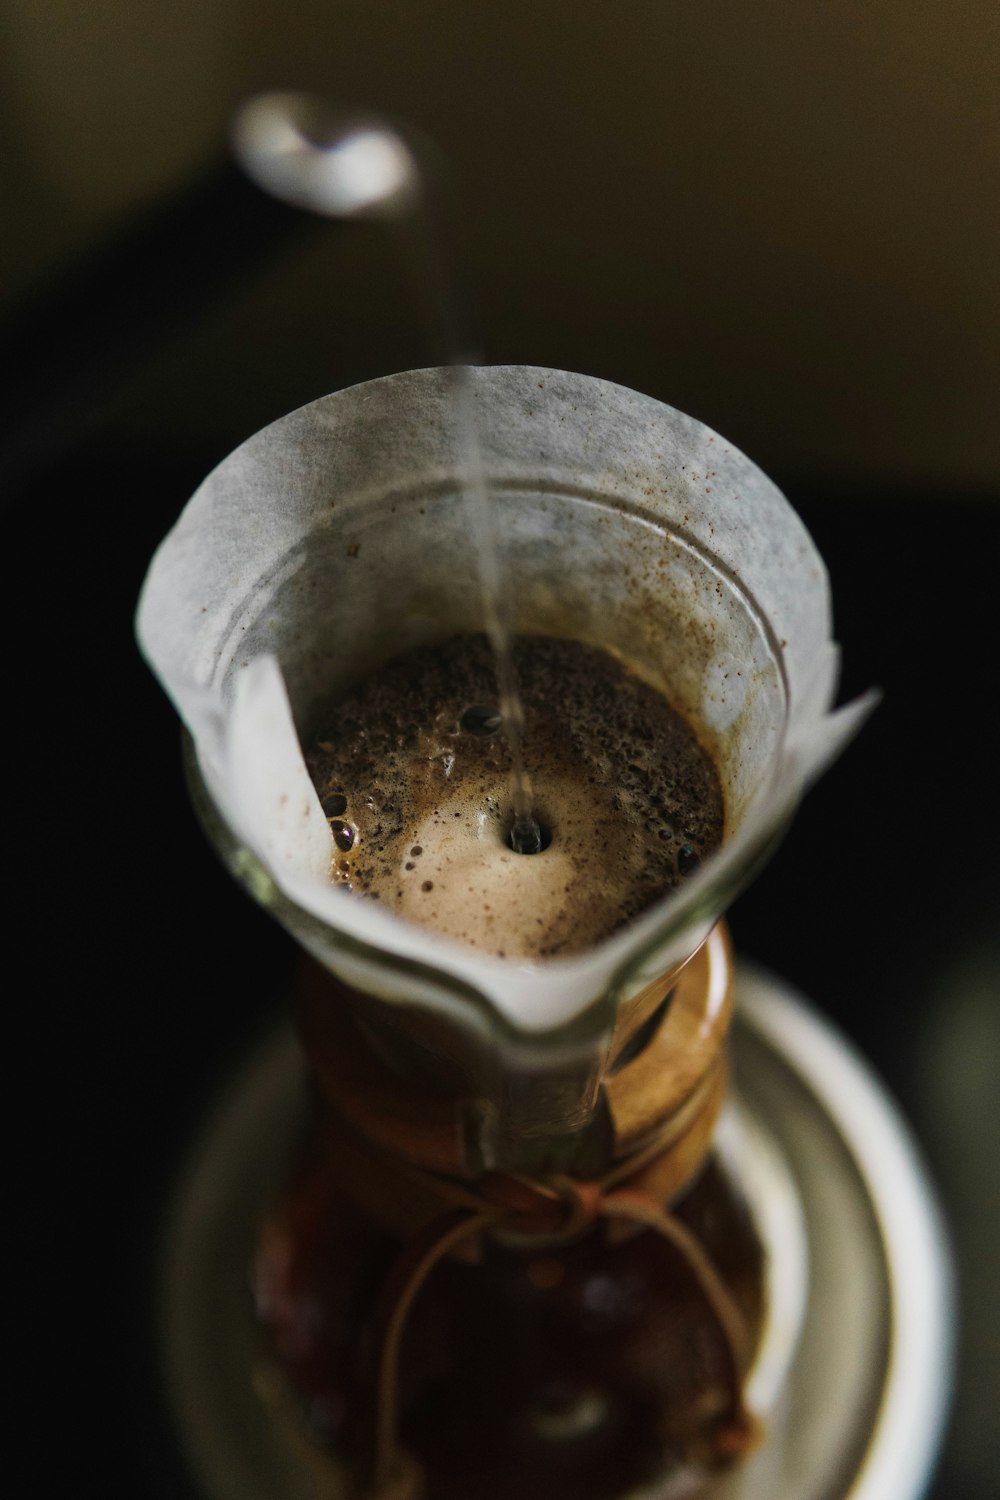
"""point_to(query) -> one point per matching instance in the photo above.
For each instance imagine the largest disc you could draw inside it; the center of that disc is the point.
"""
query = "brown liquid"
(414, 774)
(572, 1372)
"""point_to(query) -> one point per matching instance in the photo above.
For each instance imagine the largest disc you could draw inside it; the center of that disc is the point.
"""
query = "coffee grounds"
(412, 771)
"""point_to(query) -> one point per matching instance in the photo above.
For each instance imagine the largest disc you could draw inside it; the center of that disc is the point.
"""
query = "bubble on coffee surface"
(688, 859)
(481, 720)
(628, 802)
(343, 835)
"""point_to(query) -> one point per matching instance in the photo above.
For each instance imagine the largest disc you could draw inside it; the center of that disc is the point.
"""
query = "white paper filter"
(337, 537)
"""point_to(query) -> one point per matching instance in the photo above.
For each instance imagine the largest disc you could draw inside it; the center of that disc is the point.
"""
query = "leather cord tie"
(557, 1205)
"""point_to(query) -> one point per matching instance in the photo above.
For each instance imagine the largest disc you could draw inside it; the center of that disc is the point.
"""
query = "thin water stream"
(346, 166)
(525, 834)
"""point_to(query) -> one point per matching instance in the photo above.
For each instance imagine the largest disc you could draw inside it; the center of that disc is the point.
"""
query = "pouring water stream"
(351, 166)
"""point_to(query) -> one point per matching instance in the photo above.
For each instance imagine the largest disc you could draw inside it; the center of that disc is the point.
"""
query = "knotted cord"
(582, 1203)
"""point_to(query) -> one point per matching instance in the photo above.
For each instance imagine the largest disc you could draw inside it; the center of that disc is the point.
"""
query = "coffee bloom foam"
(418, 795)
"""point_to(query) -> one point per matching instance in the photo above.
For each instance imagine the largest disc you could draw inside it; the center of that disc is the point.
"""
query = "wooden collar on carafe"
(395, 1140)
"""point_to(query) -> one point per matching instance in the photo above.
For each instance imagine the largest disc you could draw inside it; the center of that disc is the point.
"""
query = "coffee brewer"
(520, 1234)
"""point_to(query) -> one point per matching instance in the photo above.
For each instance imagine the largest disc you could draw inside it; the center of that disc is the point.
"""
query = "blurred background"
(782, 218)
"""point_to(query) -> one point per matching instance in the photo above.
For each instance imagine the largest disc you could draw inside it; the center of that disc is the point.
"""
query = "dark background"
(787, 230)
